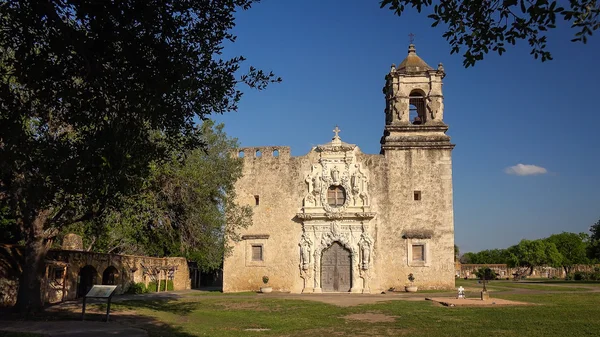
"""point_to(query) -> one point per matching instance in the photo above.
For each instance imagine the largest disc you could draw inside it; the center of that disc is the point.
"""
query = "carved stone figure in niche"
(366, 256)
(365, 245)
(309, 181)
(355, 181)
(305, 256)
(305, 244)
(335, 175)
(317, 184)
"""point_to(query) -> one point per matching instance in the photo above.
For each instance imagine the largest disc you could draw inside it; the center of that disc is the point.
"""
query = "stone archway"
(86, 278)
(110, 276)
(336, 269)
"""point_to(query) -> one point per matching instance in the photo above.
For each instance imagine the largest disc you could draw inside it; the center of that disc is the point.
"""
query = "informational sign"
(99, 291)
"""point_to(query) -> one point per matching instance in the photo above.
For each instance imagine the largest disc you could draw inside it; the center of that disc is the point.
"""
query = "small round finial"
(412, 49)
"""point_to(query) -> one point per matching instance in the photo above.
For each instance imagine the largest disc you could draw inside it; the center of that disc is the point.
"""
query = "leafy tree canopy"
(529, 254)
(479, 27)
(182, 210)
(485, 273)
(572, 248)
(91, 93)
(488, 256)
(594, 244)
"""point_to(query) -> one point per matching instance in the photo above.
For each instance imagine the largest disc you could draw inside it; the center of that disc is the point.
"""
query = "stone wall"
(464, 270)
(69, 274)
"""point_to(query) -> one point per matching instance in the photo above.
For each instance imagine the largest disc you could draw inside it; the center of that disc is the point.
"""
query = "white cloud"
(525, 170)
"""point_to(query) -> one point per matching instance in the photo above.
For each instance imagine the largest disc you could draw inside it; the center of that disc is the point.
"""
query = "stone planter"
(411, 289)
(266, 289)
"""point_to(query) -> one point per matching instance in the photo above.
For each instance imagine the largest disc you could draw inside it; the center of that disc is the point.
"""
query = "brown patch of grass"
(371, 317)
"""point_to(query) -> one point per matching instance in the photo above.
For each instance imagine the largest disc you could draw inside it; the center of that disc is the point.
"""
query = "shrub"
(164, 286)
(569, 277)
(137, 288)
(265, 279)
(595, 276)
(580, 276)
(489, 274)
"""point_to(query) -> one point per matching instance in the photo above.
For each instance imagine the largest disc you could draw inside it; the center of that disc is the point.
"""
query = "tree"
(484, 26)
(91, 93)
(594, 244)
(529, 254)
(572, 247)
(485, 272)
(456, 253)
(488, 256)
(182, 210)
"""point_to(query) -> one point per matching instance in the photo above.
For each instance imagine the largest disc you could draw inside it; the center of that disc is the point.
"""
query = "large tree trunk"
(29, 297)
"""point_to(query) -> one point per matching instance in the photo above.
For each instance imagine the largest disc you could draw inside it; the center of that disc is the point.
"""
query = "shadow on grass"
(125, 314)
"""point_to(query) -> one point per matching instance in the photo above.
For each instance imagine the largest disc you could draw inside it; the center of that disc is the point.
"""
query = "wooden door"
(336, 271)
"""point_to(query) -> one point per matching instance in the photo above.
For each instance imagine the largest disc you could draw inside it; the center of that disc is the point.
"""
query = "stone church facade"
(339, 220)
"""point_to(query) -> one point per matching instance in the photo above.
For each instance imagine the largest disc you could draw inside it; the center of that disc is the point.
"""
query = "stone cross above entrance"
(336, 131)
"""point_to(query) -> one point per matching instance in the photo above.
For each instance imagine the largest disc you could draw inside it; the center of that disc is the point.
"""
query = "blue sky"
(507, 110)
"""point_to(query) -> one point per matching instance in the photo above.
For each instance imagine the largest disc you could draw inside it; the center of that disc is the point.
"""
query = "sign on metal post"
(99, 291)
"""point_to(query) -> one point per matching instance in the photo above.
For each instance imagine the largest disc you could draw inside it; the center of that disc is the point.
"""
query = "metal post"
(108, 309)
(83, 310)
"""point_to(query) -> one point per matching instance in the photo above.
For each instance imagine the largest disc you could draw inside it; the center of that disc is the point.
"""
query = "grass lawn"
(501, 285)
(575, 313)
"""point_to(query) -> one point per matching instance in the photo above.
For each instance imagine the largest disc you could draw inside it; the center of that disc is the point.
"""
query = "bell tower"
(414, 112)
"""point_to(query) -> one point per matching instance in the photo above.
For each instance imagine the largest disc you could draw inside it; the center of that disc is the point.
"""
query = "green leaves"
(480, 26)
(93, 92)
(186, 207)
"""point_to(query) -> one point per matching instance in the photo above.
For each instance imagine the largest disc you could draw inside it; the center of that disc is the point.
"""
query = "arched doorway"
(110, 276)
(336, 268)
(86, 279)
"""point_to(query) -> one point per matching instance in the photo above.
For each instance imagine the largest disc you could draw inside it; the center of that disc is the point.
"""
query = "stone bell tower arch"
(414, 105)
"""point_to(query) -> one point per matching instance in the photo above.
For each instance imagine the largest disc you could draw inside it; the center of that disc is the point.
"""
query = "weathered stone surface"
(72, 242)
(379, 220)
(63, 272)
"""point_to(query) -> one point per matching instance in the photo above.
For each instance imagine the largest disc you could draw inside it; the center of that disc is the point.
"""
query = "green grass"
(552, 314)
(219, 293)
(500, 285)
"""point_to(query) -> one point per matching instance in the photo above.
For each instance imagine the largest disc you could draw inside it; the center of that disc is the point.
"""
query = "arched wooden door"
(336, 271)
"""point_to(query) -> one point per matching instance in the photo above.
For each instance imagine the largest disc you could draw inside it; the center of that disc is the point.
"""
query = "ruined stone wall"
(60, 284)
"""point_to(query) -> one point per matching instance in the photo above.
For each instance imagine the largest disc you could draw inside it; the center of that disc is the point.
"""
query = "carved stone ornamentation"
(335, 209)
(305, 249)
(365, 244)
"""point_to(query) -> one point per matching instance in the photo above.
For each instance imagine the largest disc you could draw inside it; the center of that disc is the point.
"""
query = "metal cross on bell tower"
(411, 38)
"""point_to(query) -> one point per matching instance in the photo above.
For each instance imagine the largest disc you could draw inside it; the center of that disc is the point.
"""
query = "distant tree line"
(564, 250)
